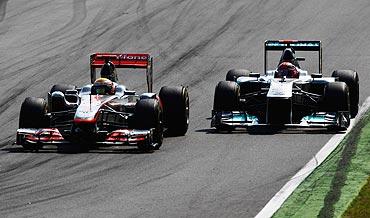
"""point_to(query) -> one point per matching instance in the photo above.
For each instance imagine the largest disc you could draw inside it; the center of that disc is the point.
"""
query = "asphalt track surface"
(194, 43)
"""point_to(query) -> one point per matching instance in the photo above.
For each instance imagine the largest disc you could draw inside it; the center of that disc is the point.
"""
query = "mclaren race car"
(288, 95)
(105, 112)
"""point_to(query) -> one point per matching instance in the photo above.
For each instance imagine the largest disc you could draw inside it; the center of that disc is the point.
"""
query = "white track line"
(280, 197)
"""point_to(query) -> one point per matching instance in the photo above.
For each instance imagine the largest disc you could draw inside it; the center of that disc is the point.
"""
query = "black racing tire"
(58, 105)
(351, 78)
(33, 115)
(175, 103)
(234, 74)
(148, 115)
(336, 97)
(227, 96)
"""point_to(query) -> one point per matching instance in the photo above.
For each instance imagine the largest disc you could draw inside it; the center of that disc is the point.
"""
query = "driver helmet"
(286, 69)
(103, 86)
(108, 71)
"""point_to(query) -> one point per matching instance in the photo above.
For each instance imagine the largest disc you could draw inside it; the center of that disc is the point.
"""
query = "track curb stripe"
(282, 195)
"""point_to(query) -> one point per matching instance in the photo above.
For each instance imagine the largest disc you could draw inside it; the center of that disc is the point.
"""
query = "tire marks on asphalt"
(175, 34)
(14, 93)
(144, 25)
(3, 4)
(78, 16)
(60, 184)
(121, 36)
(200, 46)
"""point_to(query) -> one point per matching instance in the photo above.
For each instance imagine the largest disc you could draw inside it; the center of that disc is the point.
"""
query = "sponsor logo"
(134, 57)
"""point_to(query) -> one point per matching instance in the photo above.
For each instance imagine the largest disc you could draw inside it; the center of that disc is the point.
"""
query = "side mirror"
(300, 58)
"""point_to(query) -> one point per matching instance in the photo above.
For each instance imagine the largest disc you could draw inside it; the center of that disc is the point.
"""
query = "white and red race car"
(79, 116)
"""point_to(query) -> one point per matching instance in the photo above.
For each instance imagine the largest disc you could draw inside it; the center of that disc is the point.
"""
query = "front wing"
(241, 119)
(53, 136)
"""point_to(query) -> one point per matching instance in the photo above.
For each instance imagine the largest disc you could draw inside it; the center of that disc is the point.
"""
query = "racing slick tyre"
(234, 74)
(33, 115)
(175, 103)
(148, 115)
(336, 97)
(58, 104)
(351, 78)
(227, 95)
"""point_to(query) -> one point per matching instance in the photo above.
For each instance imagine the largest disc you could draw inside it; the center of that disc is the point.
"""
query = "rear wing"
(297, 45)
(141, 61)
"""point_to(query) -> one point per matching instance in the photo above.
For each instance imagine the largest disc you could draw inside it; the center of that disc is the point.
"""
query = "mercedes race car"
(105, 115)
(288, 95)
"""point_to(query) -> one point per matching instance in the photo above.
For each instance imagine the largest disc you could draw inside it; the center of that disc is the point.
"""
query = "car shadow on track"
(76, 150)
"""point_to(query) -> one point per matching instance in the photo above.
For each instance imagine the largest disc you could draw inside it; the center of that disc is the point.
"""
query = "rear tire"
(148, 115)
(351, 78)
(227, 96)
(234, 74)
(175, 102)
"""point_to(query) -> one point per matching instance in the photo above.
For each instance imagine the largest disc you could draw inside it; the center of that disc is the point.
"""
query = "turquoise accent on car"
(315, 118)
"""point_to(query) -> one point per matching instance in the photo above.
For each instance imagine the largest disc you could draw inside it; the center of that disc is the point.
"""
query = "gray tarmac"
(194, 43)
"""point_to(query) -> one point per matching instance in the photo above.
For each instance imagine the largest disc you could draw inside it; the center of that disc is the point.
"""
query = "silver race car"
(287, 96)
(105, 112)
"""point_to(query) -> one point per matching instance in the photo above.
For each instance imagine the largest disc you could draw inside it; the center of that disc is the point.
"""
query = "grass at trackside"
(360, 206)
(331, 188)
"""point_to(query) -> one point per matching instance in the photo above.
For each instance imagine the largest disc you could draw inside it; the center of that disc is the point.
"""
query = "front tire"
(148, 115)
(351, 78)
(33, 115)
(175, 102)
(336, 97)
(227, 96)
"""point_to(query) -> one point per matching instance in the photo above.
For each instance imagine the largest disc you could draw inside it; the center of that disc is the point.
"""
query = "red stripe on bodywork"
(85, 121)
